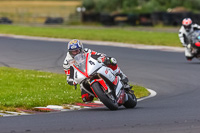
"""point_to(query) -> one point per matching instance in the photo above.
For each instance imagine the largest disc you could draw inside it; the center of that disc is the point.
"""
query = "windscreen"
(79, 61)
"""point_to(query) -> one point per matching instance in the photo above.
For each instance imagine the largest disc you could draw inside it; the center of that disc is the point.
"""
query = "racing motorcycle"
(99, 81)
(193, 41)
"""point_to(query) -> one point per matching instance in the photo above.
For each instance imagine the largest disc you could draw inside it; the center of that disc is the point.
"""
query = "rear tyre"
(132, 101)
(108, 102)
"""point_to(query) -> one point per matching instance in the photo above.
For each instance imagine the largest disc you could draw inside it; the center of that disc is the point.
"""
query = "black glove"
(110, 61)
(70, 81)
(107, 61)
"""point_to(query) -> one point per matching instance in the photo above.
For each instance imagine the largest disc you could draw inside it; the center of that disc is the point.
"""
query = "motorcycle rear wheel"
(109, 103)
(132, 101)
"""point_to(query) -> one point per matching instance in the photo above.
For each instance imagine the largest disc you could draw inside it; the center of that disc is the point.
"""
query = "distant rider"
(75, 47)
(186, 28)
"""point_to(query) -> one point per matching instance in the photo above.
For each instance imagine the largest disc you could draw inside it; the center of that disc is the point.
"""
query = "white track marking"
(136, 46)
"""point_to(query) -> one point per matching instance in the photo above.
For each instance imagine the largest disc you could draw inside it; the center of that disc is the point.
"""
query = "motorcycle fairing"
(115, 81)
(93, 65)
(102, 82)
(80, 75)
(122, 98)
(197, 44)
(107, 72)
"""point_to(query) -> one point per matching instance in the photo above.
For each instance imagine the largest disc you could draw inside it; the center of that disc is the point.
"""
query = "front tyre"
(104, 98)
(132, 101)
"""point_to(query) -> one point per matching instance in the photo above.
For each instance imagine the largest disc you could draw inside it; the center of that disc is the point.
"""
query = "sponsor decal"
(73, 46)
(76, 75)
(73, 41)
(106, 71)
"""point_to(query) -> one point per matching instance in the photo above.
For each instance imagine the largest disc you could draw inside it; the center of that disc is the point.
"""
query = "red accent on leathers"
(67, 72)
(93, 53)
(86, 97)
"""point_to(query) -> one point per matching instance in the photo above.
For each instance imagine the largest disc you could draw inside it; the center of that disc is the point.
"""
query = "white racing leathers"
(182, 36)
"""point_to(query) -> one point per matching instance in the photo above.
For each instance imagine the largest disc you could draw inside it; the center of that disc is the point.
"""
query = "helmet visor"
(74, 52)
(187, 27)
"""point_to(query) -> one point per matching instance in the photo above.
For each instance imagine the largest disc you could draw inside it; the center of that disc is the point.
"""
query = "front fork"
(117, 94)
(104, 85)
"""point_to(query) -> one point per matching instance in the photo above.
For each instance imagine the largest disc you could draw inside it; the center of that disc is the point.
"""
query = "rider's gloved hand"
(99, 60)
(189, 46)
(70, 81)
(110, 60)
(113, 61)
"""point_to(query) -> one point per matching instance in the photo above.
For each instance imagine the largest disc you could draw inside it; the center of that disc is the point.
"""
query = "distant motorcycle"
(99, 81)
(193, 40)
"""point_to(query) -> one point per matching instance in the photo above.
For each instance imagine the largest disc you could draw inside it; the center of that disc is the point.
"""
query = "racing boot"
(189, 58)
(124, 79)
(86, 97)
(188, 53)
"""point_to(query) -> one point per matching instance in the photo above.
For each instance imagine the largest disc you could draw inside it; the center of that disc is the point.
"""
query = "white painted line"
(105, 43)
(152, 94)
(99, 102)
(55, 107)
(9, 113)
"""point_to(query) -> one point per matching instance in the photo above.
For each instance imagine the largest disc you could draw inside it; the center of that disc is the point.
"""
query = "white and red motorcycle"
(193, 39)
(99, 81)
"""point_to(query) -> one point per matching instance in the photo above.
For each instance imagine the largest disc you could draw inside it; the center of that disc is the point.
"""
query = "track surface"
(175, 109)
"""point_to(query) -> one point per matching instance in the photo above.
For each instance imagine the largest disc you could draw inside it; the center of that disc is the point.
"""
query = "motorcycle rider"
(187, 28)
(75, 47)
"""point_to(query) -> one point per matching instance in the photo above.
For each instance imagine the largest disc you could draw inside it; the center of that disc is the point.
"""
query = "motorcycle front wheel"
(104, 98)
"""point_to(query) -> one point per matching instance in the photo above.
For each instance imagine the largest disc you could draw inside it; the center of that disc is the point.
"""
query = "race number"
(91, 62)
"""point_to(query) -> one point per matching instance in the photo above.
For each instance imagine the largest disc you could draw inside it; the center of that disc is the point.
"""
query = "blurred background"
(99, 12)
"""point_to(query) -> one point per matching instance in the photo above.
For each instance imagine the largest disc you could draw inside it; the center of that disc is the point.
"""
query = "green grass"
(29, 88)
(140, 91)
(123, 35)
(28, 11)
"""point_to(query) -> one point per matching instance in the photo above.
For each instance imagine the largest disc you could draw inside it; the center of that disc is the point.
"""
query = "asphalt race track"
(175, 108)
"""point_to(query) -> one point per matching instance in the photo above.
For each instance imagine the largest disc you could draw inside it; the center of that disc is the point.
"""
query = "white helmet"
(187, 22)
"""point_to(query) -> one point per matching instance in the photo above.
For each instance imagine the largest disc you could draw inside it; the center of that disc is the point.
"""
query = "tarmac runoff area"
(79, 106)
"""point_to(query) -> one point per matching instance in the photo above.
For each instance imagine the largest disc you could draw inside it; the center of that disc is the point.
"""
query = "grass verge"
(32, 11)
(123, 35)
(29, 88)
